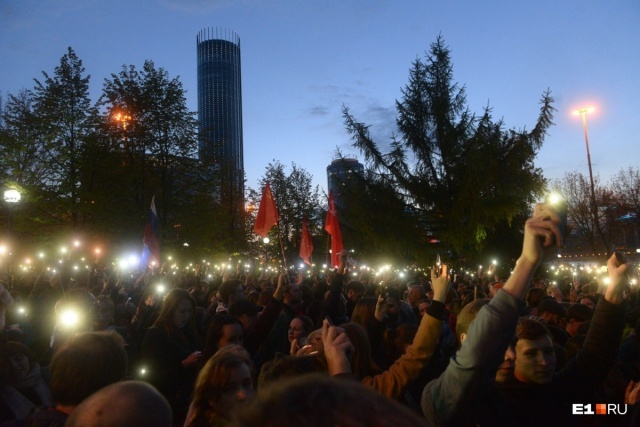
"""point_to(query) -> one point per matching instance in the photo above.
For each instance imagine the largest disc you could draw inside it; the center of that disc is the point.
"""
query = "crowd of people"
(181, 350)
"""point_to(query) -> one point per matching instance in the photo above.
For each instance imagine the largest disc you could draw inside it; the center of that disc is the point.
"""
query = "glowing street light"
(12, 197)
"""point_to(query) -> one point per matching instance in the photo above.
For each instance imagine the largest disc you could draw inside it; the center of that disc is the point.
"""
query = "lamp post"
(266, 250)
(594, 208)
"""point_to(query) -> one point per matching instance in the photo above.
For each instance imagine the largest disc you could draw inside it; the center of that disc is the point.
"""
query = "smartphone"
(438, 266)
(560, 206)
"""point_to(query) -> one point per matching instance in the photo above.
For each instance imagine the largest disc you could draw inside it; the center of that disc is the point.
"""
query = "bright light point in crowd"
(355, 274)
(559, 256)
(574, 273)
(603, 269)
(634, 281)
(266, 240)
(301, 266)
(76, 243)
(324, 265)
(69, 317)
(160, 289)
(494, 262)
(63, 250)
(401, 274)
(27, 261)
(124, 264)
(143, 371)
(169, 258)
(21, 310)
(98, 251)
(185, 244)
(41, 255)
(606, 280)
(75, 267)
(153, 263)
(3, 250)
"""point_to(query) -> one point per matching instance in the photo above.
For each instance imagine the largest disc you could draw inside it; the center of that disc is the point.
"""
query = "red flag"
(306, 245)
(332, 226)
(267, 213)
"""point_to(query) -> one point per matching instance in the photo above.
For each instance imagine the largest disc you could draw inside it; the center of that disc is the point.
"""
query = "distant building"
(340, 173)
(220, 111)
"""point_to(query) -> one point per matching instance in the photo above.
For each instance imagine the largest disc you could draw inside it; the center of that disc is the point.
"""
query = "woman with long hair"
(171, 350)
(223, 385)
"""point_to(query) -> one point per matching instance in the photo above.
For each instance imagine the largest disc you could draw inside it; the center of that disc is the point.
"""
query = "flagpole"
(284, 259)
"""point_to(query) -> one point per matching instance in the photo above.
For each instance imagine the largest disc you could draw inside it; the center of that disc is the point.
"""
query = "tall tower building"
(220, 112)
(340, 173)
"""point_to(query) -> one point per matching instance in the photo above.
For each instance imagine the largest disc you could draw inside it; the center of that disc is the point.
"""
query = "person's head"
(292, 294)
(231, 291)
(84, 364)
(577, 314)
(362, 364)
(551, 311)
(315, 341)
(103, 312)
(416, 294)
(246, 312)
(534, 296)
(299, 328)
(224, 383)
(466, 316)
(16, 362)
(507, 367)
(123, 404)
(535, 354)
(589, 300)
(555, 292)
(316, 400)
(364, 311)
(177, 311)
(224, 330)
(354, 291)
(282, 367)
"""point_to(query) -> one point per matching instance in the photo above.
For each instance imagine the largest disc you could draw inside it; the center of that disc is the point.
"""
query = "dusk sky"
(303, 60)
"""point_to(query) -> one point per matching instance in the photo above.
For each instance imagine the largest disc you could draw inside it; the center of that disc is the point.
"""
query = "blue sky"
(303, 60)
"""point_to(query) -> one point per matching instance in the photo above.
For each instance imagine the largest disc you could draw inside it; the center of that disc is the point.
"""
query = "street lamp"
(266, 250)
(11, 197)
(594, 209)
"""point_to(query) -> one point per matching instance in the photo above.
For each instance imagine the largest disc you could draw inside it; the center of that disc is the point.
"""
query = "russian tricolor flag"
(151, 239)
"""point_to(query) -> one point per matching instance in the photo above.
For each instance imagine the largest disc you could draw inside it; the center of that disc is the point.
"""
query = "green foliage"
(295, 198)
(461, 174)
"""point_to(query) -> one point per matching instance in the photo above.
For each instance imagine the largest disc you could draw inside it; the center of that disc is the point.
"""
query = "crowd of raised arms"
(334, 350)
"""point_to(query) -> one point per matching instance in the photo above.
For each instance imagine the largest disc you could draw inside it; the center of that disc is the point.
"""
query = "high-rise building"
(220, 111)
(340, 173)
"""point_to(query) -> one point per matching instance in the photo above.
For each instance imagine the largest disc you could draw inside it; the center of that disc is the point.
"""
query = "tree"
(67, 121)
(295, 198)
(149, 123)
(462, 175)
(625, 186)
(576, 190)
